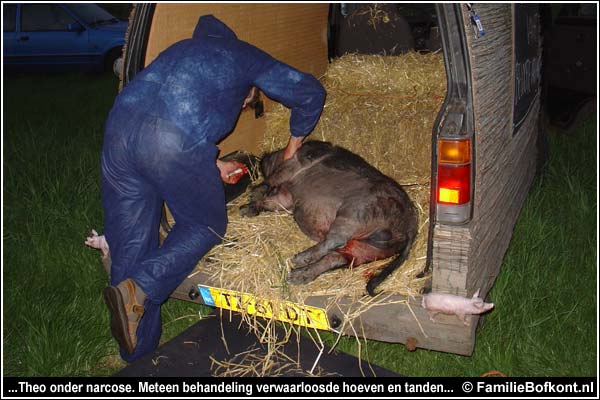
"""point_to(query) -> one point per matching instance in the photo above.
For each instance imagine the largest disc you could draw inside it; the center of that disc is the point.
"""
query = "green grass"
(55, 323)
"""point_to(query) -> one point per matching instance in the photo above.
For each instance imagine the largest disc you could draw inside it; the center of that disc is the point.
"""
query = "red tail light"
(454, 172)
(454, 184)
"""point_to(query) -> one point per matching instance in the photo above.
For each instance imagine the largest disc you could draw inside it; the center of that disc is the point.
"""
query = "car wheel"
(110, 61)
(118, 67)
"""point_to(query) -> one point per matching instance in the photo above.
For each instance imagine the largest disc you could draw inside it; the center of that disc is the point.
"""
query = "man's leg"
(188, 179)
(132, 209)
(160, 162)
(186, 176)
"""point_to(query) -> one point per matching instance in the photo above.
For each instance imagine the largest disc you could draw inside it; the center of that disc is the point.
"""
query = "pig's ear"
(476, 293)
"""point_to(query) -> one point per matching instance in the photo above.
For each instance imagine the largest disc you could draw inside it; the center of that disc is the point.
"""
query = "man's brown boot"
(126, 305)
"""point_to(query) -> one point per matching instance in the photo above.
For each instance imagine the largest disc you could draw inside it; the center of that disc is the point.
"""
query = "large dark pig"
(354, 212)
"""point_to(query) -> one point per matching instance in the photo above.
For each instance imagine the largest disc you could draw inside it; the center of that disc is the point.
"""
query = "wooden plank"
(392, 319)
(451, 257)
(397, 319)
(493, 245)
(467, 258)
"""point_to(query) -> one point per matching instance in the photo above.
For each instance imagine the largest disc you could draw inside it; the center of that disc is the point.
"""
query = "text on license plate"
(308, 316)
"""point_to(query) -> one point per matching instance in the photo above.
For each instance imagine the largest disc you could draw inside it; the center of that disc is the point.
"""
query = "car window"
(44, 17)
(9, 17)
(91, 13)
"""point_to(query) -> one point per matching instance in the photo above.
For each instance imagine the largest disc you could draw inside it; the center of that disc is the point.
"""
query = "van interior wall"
(293, 33)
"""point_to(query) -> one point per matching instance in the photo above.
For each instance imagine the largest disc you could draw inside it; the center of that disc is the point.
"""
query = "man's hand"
(292, 147)
(250, 98)
(231, 171)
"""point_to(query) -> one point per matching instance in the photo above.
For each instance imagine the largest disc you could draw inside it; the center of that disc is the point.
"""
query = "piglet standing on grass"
(450, 304)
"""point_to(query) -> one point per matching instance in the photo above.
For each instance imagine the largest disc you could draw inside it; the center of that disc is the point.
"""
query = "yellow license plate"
(308, 316)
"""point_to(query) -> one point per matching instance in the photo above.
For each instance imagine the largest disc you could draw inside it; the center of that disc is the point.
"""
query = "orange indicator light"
(454, 151)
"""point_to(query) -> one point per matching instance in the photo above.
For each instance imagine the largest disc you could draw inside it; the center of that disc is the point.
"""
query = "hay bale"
(380, 107)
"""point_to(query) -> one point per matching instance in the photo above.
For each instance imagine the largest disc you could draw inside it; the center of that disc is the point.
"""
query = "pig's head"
(270, 162)
(310, 153)
(479, 305)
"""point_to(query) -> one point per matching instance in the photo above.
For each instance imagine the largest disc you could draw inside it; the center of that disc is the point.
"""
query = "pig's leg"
(96, 241)
(277, 199)
(463, 318)
(309, 273)
(340, 232)
(257, 195)
(281, 199)
(432, 314)
(259, 192)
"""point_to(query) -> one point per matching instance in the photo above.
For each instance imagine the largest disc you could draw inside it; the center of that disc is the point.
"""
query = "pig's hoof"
(301, 260)
(248, 210)
(300, 276)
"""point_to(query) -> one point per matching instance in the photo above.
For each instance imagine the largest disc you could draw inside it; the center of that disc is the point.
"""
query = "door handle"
(24, 38)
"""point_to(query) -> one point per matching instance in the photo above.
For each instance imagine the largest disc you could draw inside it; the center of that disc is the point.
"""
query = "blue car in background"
(56, 36)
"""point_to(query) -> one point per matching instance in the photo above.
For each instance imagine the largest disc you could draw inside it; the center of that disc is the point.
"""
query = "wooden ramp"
(189, 354)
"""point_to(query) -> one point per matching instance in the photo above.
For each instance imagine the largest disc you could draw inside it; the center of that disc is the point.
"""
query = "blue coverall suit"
(160, 144)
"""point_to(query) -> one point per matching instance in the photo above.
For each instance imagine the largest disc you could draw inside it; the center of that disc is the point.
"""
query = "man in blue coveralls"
(160, 145)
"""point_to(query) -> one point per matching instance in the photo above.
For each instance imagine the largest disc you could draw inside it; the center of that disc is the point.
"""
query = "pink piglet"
(450, 304)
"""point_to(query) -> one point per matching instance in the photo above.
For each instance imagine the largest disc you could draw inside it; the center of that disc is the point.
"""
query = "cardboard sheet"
(293, 33)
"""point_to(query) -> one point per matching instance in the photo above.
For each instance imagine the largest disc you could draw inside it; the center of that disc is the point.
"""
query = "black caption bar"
(299, 387)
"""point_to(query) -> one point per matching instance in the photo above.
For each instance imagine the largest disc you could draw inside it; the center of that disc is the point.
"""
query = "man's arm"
(299, 91)
(292, 147)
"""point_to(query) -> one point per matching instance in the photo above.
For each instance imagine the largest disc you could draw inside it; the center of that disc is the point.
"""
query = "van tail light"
(454, 184)
(454, 151)
(454, 180)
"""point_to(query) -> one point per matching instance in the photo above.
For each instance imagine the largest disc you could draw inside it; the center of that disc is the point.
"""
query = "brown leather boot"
(126, 305)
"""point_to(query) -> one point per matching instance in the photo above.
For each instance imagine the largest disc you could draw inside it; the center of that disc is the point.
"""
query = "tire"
(111, 57)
